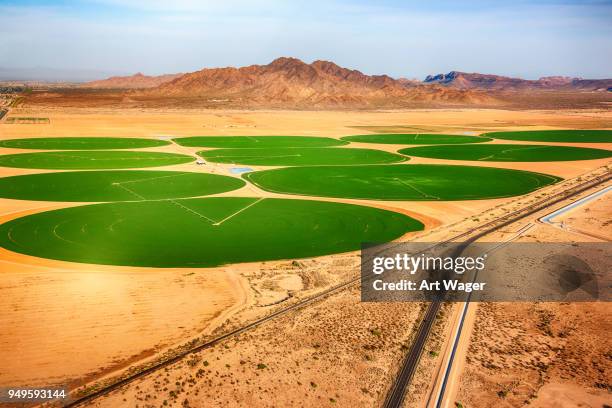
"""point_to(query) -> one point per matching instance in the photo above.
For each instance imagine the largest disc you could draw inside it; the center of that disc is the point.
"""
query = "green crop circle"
(507, 152)
(294, 156)
(418, 182)
(201, 232)
(560, 136)
(258, 142)
(415, 138)
(82, 143)
(92, 159)
(118, 185)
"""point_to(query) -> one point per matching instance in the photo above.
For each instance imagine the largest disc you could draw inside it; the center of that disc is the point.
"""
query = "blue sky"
(401, 38)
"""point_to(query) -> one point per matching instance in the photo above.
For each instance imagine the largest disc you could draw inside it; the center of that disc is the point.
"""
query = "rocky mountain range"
(292, 82)
(464, 80)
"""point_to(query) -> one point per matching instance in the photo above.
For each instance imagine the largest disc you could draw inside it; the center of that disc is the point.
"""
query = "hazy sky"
(401, 38)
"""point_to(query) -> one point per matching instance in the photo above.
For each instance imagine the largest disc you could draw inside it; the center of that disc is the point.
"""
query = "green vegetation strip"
(96, 159)
(292, 156)
(122, 185)
(419, 182)
(415, 139)
(202, 232)
(258, 141)
(507, 153)
(81, 143)
(566, 136)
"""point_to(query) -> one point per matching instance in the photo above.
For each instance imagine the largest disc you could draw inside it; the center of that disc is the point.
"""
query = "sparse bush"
(193, 361)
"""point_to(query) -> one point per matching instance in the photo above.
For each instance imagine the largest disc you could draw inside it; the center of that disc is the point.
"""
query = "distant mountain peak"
(286, 60)
(464, 80)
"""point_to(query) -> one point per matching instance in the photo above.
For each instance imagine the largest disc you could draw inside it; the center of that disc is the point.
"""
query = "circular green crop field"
(81, 143)
(415, 139)
(566, 136)
(295, 156)
(258, 141)
(95, 159)
(120, 185)
(507, 153)
(420, 182)
(201, 232)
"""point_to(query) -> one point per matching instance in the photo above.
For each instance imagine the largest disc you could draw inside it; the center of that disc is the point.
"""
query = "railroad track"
(395, 397)
(406, 371)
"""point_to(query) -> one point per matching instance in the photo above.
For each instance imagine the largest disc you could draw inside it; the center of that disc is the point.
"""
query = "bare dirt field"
(519, 353)
(592, 221)
(337, 352)
(73, 323)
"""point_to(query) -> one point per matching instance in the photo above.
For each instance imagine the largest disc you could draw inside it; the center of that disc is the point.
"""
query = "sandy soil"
(519, 353)
(339, 352)
(592, 221)
(543, 354)
(74, 323)
(151, 122)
